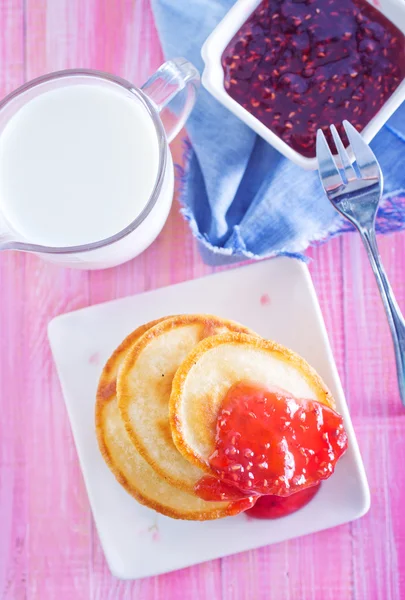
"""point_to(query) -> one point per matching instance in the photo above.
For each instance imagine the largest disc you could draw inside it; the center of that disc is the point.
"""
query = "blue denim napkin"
(241, 197)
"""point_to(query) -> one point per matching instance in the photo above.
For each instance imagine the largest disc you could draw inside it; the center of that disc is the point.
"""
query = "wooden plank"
(13, 485)
(372, 385)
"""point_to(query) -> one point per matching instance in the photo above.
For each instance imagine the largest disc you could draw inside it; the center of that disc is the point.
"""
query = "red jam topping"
(243, 504)
(269, 442)
(275, 507)
(300, 65)
(212, 489)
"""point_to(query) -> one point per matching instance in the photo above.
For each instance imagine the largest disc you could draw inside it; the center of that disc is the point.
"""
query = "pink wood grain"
(49, 548)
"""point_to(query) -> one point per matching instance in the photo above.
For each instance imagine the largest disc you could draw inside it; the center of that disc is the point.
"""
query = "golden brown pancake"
(144, 386)
(213, 367)
(128, 466)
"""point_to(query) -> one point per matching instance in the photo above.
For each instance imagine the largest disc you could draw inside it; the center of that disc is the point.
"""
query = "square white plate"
(277, 299)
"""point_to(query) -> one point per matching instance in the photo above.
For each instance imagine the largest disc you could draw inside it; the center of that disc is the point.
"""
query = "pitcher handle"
(173, 91)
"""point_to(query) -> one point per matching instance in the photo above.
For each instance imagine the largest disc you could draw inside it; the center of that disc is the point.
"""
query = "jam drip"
(269, 442)
(258, 507)
(298, 65)
(275, 507)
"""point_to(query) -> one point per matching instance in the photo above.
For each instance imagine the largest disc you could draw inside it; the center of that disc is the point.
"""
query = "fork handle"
(395, 319)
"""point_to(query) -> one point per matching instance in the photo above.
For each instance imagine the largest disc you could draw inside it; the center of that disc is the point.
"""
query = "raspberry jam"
(268, 442)
(275, 507)
(300, 65)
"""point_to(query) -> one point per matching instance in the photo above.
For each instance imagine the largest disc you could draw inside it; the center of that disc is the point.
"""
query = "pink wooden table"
(49, 548)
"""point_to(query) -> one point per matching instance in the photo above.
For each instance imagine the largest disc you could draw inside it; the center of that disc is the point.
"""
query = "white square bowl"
(277, 299)
(213, 76)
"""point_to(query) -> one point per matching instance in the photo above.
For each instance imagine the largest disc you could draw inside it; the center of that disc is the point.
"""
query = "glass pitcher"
(168, 97)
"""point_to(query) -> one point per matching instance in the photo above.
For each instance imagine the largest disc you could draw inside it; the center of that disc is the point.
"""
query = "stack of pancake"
(159, 397)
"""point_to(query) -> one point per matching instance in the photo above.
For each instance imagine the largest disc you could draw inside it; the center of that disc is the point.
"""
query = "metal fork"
(355, 192)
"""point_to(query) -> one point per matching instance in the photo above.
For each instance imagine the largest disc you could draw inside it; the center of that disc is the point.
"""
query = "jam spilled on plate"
(298, 65)
(275, 507)
(270, 443)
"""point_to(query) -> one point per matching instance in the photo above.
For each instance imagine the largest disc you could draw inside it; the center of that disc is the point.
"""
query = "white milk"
(77, 165)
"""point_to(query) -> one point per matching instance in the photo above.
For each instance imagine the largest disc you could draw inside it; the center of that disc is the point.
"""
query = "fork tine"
(365, 159)
(328, 171)
(344, 157)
